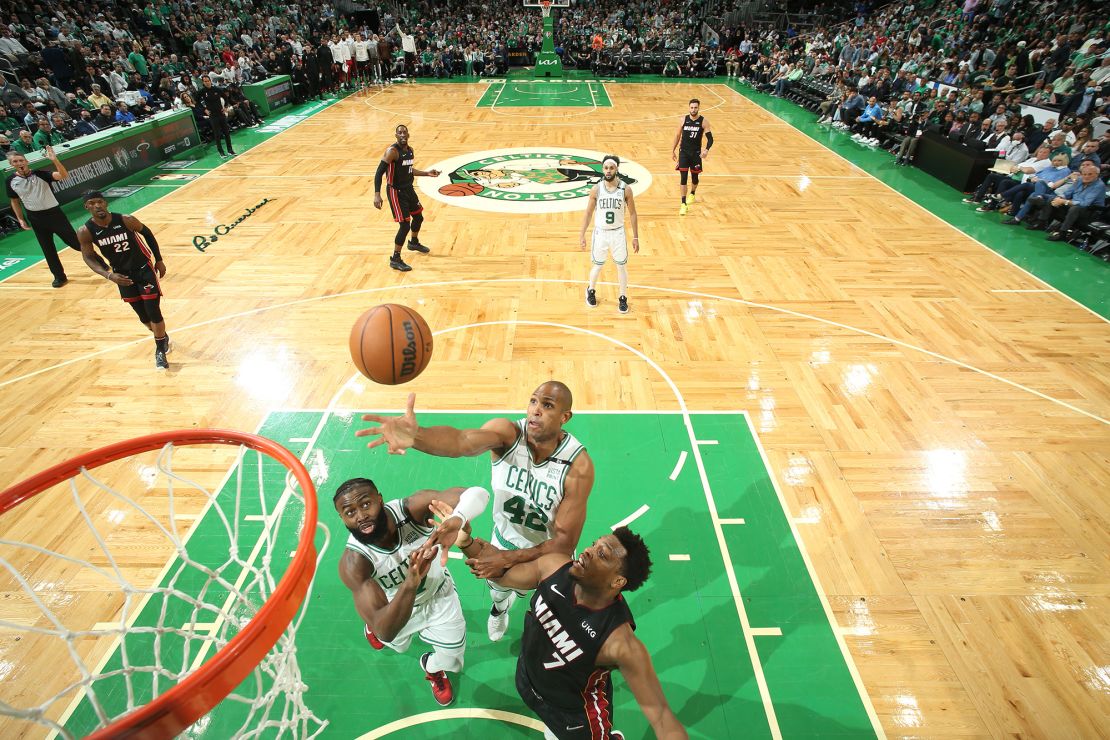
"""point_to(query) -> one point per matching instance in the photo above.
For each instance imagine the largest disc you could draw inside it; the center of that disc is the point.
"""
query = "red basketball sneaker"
(373, 639)
(441, 685)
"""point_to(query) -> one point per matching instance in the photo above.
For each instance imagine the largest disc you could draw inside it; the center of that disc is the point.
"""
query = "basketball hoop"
(545, 8)
(248, 618)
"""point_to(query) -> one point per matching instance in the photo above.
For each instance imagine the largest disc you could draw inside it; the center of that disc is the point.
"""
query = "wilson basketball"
(391, 344)
(461, 188)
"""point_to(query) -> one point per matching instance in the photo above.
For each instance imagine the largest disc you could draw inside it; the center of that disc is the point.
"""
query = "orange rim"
(170, 713)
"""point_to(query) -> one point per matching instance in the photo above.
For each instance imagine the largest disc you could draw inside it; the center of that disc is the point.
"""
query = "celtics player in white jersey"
(608, 202)
(542, 477)
(399, 586)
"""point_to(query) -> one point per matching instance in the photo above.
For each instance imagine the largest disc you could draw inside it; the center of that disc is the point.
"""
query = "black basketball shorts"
(144, 286)
(403, 203)
(688, 161)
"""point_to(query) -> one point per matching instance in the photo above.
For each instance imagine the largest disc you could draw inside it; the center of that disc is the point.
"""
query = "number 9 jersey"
(526, 495)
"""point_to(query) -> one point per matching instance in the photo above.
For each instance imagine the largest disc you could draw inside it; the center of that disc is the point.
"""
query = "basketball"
(461, 188)
(391, 344)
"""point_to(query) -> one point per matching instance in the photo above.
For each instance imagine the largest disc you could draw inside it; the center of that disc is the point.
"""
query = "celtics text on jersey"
(527, 494)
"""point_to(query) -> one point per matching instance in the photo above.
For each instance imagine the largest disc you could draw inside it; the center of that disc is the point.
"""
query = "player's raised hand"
(420, 562)
(449, 530)
(398, 432)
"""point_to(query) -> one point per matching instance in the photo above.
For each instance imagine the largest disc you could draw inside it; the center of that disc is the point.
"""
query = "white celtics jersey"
(610, 207)
(391, 566)
(526, 494)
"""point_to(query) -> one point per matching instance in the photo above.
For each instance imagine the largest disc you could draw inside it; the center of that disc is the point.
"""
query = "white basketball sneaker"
(498, 624)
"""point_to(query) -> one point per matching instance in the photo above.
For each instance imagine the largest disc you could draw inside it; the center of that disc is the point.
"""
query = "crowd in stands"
(970, 71)
(72, 69)
(963, 68)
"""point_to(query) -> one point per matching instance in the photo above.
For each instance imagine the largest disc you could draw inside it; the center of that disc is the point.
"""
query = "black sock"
(396, 253)
(414, 239)
(684, 199)
(494, 613)
(161, 344)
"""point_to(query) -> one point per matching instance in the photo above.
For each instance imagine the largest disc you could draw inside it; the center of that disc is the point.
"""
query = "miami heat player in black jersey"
(577, 630)
(136, 265)
(688, 152)
(398, 164)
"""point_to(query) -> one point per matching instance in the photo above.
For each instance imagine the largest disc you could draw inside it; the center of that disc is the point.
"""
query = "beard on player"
(369, 531)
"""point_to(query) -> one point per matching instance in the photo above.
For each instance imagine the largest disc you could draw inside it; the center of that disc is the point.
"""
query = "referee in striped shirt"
(29, 190)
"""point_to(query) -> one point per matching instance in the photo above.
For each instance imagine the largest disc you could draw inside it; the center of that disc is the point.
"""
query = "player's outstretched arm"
(522, 577)
(403, 432)
(384, 617)
(625, 651)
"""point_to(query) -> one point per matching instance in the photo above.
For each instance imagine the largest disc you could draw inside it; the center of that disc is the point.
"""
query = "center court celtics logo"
(525, 179)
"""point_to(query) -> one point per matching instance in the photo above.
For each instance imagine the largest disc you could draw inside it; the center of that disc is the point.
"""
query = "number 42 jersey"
(526, 494)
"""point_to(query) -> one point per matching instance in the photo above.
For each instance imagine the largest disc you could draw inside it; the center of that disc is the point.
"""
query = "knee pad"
(402, 232)
(694, 177)
(682, 177)
(417, 220)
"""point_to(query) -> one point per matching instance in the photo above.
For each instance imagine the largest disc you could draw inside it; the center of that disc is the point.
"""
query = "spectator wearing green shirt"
(138, 61)
(8, 125)
(1064, 83)
(25, 145)
(78, 101)
(47, 135)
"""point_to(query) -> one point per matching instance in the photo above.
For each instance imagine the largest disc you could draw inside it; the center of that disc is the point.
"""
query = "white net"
(103, 616)
(545, 8)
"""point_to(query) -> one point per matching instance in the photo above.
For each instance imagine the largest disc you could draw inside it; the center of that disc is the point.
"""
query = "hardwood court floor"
(939, 435)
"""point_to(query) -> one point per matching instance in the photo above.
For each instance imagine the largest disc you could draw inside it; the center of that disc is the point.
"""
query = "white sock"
(622, 278)
(594, 272)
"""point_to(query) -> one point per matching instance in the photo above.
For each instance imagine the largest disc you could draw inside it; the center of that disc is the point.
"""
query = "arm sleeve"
(708, 140)
(382, 167)
(472, 503)
(151, 242)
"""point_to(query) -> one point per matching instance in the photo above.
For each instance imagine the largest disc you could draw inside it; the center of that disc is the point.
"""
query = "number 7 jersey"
(526, 495)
